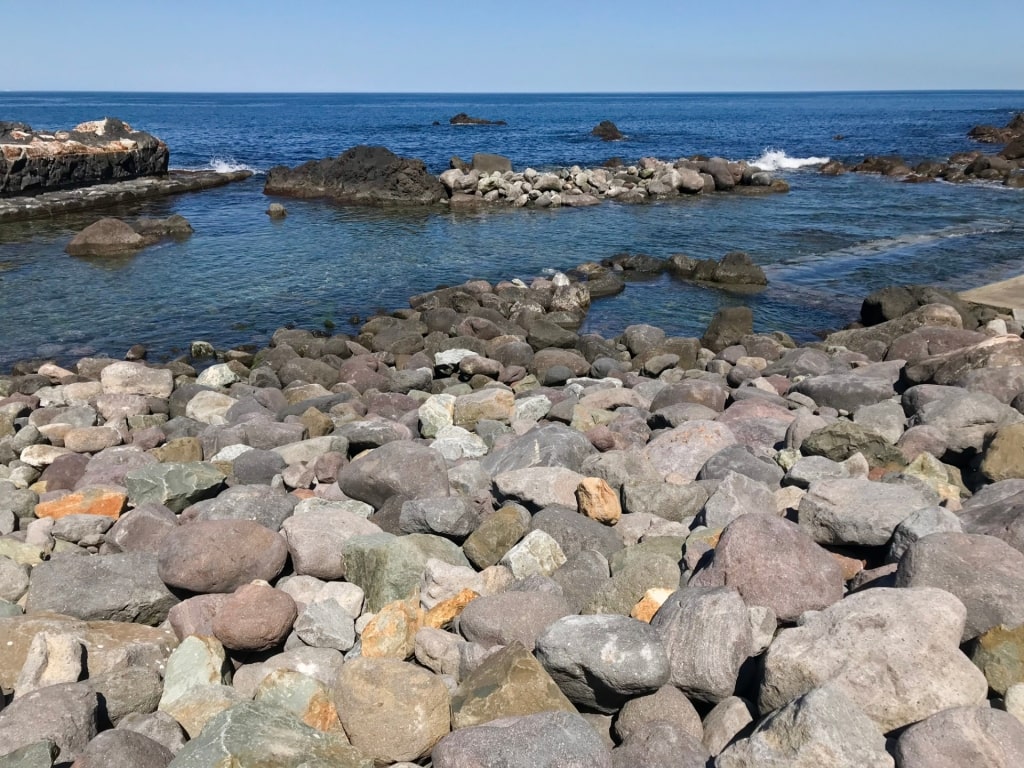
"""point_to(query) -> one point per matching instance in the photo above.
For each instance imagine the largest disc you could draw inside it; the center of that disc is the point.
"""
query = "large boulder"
(106, 237)
(895, 653)
(95, 152)
(980, 737)
(363, 175)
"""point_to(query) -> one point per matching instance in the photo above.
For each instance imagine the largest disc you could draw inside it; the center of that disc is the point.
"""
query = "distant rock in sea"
(606, 130)
(463, 119)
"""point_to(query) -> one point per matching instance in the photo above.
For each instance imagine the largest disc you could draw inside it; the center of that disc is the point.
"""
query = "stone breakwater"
(100, 151)
(470, 534)
(375, 176)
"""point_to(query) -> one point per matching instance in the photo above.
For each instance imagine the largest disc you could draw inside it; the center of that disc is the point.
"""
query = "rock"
(574, 532)
(668, 703)
(996, 510)
(277, 211)
(552, 445)
(950, 367)
(845, 391)
(123, 587)
(606, 130)
(390, 568)
(727, 720)
(545, 740)
(124, 749)
(509, 683)
(66, 714)
(539, 487)
(985, 573)
(51, 659)
(256, 617)
(247, 733)
(772, 563)
(841, 439)
(968, 419)
(997, 653)
(125, 378)
(1004, 455)
(975, 736)
(660, 744)
(128, 691)
(601, 661)
(511, 617)
(735, 495)
(391, 710)
(851, 644)
(41, 754)
(141, 529)
(192, 556)
(495, 535)
(727, 327)
(362, 175)
(305, 697)
(596, 499)
(702, 667)
(399, 468)
(316, 535)
(536, 554)
(463, 119)
(858, 511)
(679, 453)
(822, 727)
(173, 485)
(108, 644)
(918, 525)
(108, 502)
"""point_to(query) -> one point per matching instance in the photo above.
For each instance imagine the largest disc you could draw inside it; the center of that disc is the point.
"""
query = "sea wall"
(107, 150)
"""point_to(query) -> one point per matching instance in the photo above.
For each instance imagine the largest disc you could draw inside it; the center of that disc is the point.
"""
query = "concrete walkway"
(1008, 294)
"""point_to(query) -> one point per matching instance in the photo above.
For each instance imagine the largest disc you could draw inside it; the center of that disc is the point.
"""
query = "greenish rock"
(176, 486)
(259, 735)
(496, 535)
(626, 587)
(389, 568)
(668, 546)
(999, 653)
(841, 439)
(38, 755)
(20, 552)
(9, 609)
(198, 661)
(509, 683)
(305, 697)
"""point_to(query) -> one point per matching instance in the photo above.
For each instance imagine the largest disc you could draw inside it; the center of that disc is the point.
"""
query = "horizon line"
(527, 93)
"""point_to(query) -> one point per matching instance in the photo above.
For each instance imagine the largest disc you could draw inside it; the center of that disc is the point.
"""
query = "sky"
(517, 46)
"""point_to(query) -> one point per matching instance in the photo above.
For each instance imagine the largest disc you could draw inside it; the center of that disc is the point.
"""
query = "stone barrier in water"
(470, 534)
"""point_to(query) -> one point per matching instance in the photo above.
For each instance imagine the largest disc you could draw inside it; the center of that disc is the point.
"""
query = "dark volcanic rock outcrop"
(463, 119)
(991, 134)
(363, 175)
(606, 130)
(33, 162)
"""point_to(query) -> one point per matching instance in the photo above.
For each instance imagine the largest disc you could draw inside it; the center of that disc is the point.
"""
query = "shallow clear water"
(824, 245)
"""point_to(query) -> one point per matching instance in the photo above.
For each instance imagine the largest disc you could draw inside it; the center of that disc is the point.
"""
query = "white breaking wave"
(227, 165)
(778, 160)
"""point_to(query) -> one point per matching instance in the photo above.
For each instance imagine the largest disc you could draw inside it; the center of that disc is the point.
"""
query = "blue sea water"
(825, 245)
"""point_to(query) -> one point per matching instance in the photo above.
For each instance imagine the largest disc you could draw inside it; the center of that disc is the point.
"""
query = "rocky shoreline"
(470, 535)
(1005, 167)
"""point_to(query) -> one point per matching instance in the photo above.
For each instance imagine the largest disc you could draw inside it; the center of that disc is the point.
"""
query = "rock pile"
(471, 535)
(650, 179)
(32, 162)
(1007, 166)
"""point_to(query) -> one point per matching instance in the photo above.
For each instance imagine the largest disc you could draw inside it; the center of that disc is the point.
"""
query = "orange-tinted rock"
(445, 612)
(598, 501)
(390, 634)
(91, 501)
(649, 604)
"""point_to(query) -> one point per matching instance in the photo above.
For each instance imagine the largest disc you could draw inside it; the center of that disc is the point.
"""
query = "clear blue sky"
(516, 45)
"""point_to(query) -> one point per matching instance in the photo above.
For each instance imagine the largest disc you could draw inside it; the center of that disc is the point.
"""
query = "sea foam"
(227, 165)
(778, 160)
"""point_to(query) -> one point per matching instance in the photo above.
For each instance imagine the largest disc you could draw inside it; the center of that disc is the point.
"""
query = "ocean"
(824, 246)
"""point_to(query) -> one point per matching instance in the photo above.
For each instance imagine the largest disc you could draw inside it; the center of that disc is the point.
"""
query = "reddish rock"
(92, 501)
(256, 617)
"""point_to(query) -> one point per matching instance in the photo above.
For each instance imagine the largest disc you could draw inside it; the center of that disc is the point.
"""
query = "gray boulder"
(845, 391)
(400, 468)
(601, 661)
(822, 727)
(985, 573)
(124, 749)
(66, 714)
(708, 637)
(260, 503)
(660, 744)
(511, 616)
(858, 511)
(980, 737)
(124, 587)
(551, 445)
(547, 740)
(895, 653)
